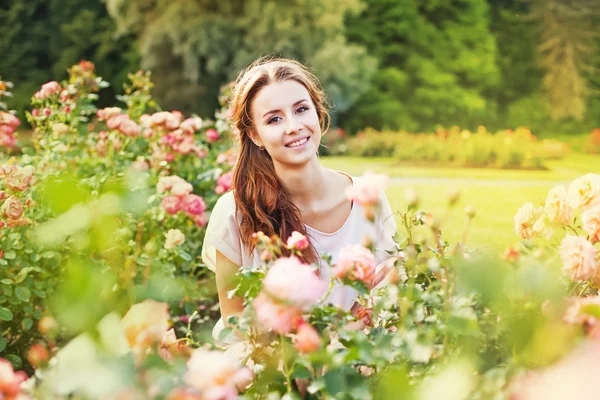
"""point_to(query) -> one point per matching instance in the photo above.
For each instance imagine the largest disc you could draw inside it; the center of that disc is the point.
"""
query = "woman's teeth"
(298, 143)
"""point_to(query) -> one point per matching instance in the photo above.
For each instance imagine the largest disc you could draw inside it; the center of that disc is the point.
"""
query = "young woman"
(279, 186)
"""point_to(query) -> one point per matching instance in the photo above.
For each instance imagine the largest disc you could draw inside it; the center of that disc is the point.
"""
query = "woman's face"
(286, 122)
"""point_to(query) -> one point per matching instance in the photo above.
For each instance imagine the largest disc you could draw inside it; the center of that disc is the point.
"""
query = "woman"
(279, 187)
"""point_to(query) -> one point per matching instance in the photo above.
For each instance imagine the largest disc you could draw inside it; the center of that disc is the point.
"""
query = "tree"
(567, 50)
(445, 56)
(194, 47)
(42, 38)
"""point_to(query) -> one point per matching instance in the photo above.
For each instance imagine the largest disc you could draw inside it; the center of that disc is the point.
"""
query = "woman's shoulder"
(225, 204)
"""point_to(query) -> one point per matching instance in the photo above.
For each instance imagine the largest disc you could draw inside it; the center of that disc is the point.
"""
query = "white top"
(222, 234)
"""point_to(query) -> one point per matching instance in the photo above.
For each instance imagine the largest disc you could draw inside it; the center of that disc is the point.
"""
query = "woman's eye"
(301, 109)
(274, 119)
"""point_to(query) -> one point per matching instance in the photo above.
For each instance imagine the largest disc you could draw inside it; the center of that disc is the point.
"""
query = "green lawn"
(495, 194)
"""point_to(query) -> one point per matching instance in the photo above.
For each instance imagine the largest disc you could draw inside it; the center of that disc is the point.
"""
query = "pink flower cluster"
(224, 182)
(8, 124)
(181, 198)
(10, 381)
(48, 89)
(229, 156)
(356, 263)
(115, 120)
(289, 289)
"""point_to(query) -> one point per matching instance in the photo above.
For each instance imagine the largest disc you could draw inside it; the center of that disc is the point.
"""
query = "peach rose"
(578, 257)
(297, 241)
(224, 182)
(145, 324)
(591, 223)
(529, 221)
(307, 339)
(274, 316)
(584, 192)
(174, 237)
(575, 315)
(19, 178)
(366, 190)
(557, 206)
(182, 188)
(216, 374)
(166, 183)
(141, 164)
(12, 208)
(356, 263)
(294, 283)
(108, 113)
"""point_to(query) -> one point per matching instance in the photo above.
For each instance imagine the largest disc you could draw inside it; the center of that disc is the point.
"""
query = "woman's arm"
(226, 281)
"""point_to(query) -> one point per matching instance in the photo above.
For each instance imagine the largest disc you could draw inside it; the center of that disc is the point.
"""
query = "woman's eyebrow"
(275, 111)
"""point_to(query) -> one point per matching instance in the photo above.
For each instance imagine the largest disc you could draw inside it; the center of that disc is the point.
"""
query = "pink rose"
(146, 120)
(192, 204)
(297, 241)
(185, 146)
(171, 204)
(591, 223)
(366, 190)
(12, 208)
(578, 257)
(115, 122)
(212, 135)
(19, 178)
(10, 380)
(182, 188)
(200, 219)
(275, 316)
(356, 263)
(48, 89)
(216, 374)
(166, 183)
(307, 338)
(169, 157)
(172, 120)
(141, 164)
(224, 182)
(108, 112)
(47, 111)
(294, 283)
(130, 128)
(8, 140)
(191, 125)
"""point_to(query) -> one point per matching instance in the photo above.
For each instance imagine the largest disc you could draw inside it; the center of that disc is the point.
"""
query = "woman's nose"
(293, 125)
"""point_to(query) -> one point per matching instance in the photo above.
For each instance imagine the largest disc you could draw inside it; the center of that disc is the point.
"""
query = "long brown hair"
(260, 197)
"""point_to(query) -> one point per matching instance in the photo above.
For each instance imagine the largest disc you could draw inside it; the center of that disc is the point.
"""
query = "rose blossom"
(365, 190)
(574, 314)
(224, 182)
(108, 112)
(591, 223)
(297, 241)
(141, 164)
(48, 89)
(174, 237)
(529, 221)
(192, 124)
(182, 188)
(275, 316)
(12, 208)
(145, 323)
(216, 374)
(307, 338)
(130, 128)
(172, 120)
(18, 178)
(584, 192)
(115, 122)
(171, 204)
(200, 219)
(212, 135)
(166, 183)
(295, 283)
(355, 262)
(10, 380)
(578, 255)
(557, 206)
(193, 204)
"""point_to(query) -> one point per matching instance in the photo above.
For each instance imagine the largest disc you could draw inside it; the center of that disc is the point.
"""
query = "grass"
(495, 194)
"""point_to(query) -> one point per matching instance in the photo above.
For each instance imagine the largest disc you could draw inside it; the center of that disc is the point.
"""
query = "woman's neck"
(305, 184)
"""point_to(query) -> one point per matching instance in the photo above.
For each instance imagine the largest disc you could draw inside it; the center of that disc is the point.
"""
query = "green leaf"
(301, 372)
(23, 294)
(5, 314)
(10, 255)
(7, 281)
(184, 255)
(27, 323)
(15, 360)
(334, 382)
(2, 344)
(23, 274)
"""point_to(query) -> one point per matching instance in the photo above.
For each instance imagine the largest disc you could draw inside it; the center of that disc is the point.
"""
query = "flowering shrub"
(149, 176)
(8, 120)
(504, 149)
